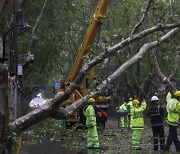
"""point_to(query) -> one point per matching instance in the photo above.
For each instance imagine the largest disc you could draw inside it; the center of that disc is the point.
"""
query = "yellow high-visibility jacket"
(137, 115)
(90, 116)
(123, 108)
(173, 109)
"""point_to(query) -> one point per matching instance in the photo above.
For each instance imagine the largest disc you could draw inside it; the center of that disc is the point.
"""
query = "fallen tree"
(52, 107)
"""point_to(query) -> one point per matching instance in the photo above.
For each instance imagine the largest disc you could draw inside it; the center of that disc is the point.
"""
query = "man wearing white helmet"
(156, 114)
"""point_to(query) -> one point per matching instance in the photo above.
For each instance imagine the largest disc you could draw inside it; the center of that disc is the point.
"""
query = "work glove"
(144, 105)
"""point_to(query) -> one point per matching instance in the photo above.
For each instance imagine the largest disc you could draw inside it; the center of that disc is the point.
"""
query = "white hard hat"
(154, 98)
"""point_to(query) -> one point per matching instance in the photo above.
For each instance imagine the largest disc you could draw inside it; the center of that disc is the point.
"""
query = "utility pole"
(14, 49)
(14, 56)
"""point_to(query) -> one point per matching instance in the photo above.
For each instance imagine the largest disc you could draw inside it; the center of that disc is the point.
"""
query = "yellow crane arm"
(98, 18)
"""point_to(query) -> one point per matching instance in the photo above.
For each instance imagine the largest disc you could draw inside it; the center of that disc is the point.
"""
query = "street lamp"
(31, 57)
(4, 58)
(23, 27)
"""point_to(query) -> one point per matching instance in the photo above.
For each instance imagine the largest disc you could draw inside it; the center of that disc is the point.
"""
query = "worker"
(129, 108)
(137, 123)
(92, 135)
(123, 114)
(118, 115)
(173, 109)
(156, 113)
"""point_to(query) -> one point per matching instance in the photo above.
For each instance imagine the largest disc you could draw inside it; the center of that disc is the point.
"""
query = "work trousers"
(92, 137)
(136, 135)
(172, 137)
(130, 121)
(158, 133)
(122, 121)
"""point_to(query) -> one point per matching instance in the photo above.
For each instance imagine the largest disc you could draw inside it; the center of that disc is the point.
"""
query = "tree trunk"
(52, 106)
(4, 112)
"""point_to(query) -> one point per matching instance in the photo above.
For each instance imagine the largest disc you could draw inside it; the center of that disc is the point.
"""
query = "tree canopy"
(137, 50)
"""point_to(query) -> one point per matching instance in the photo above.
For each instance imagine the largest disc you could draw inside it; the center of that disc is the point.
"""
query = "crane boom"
(92, 30)
(98, 18)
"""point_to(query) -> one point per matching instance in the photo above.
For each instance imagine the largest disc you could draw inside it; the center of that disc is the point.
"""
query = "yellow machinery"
(98, 18)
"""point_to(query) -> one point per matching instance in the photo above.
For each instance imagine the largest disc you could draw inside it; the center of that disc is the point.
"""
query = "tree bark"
(4, 106)
(47, 109)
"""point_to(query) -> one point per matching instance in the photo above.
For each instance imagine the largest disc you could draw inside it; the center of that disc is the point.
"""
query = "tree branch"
(165, 80)
(37, 115)
(142, 18)
(33, 37)
(120, 71)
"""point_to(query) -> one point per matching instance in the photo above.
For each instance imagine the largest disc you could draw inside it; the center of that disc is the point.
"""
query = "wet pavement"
(46, 147)
(113, 140)
(56, 147)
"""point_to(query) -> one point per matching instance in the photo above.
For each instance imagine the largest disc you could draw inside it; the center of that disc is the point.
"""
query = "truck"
(102, 102)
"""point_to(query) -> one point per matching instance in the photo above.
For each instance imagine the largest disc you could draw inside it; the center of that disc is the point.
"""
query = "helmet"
(135, 102)
(91, 100)
(130, 99)
(154, 98)
(177, 93)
